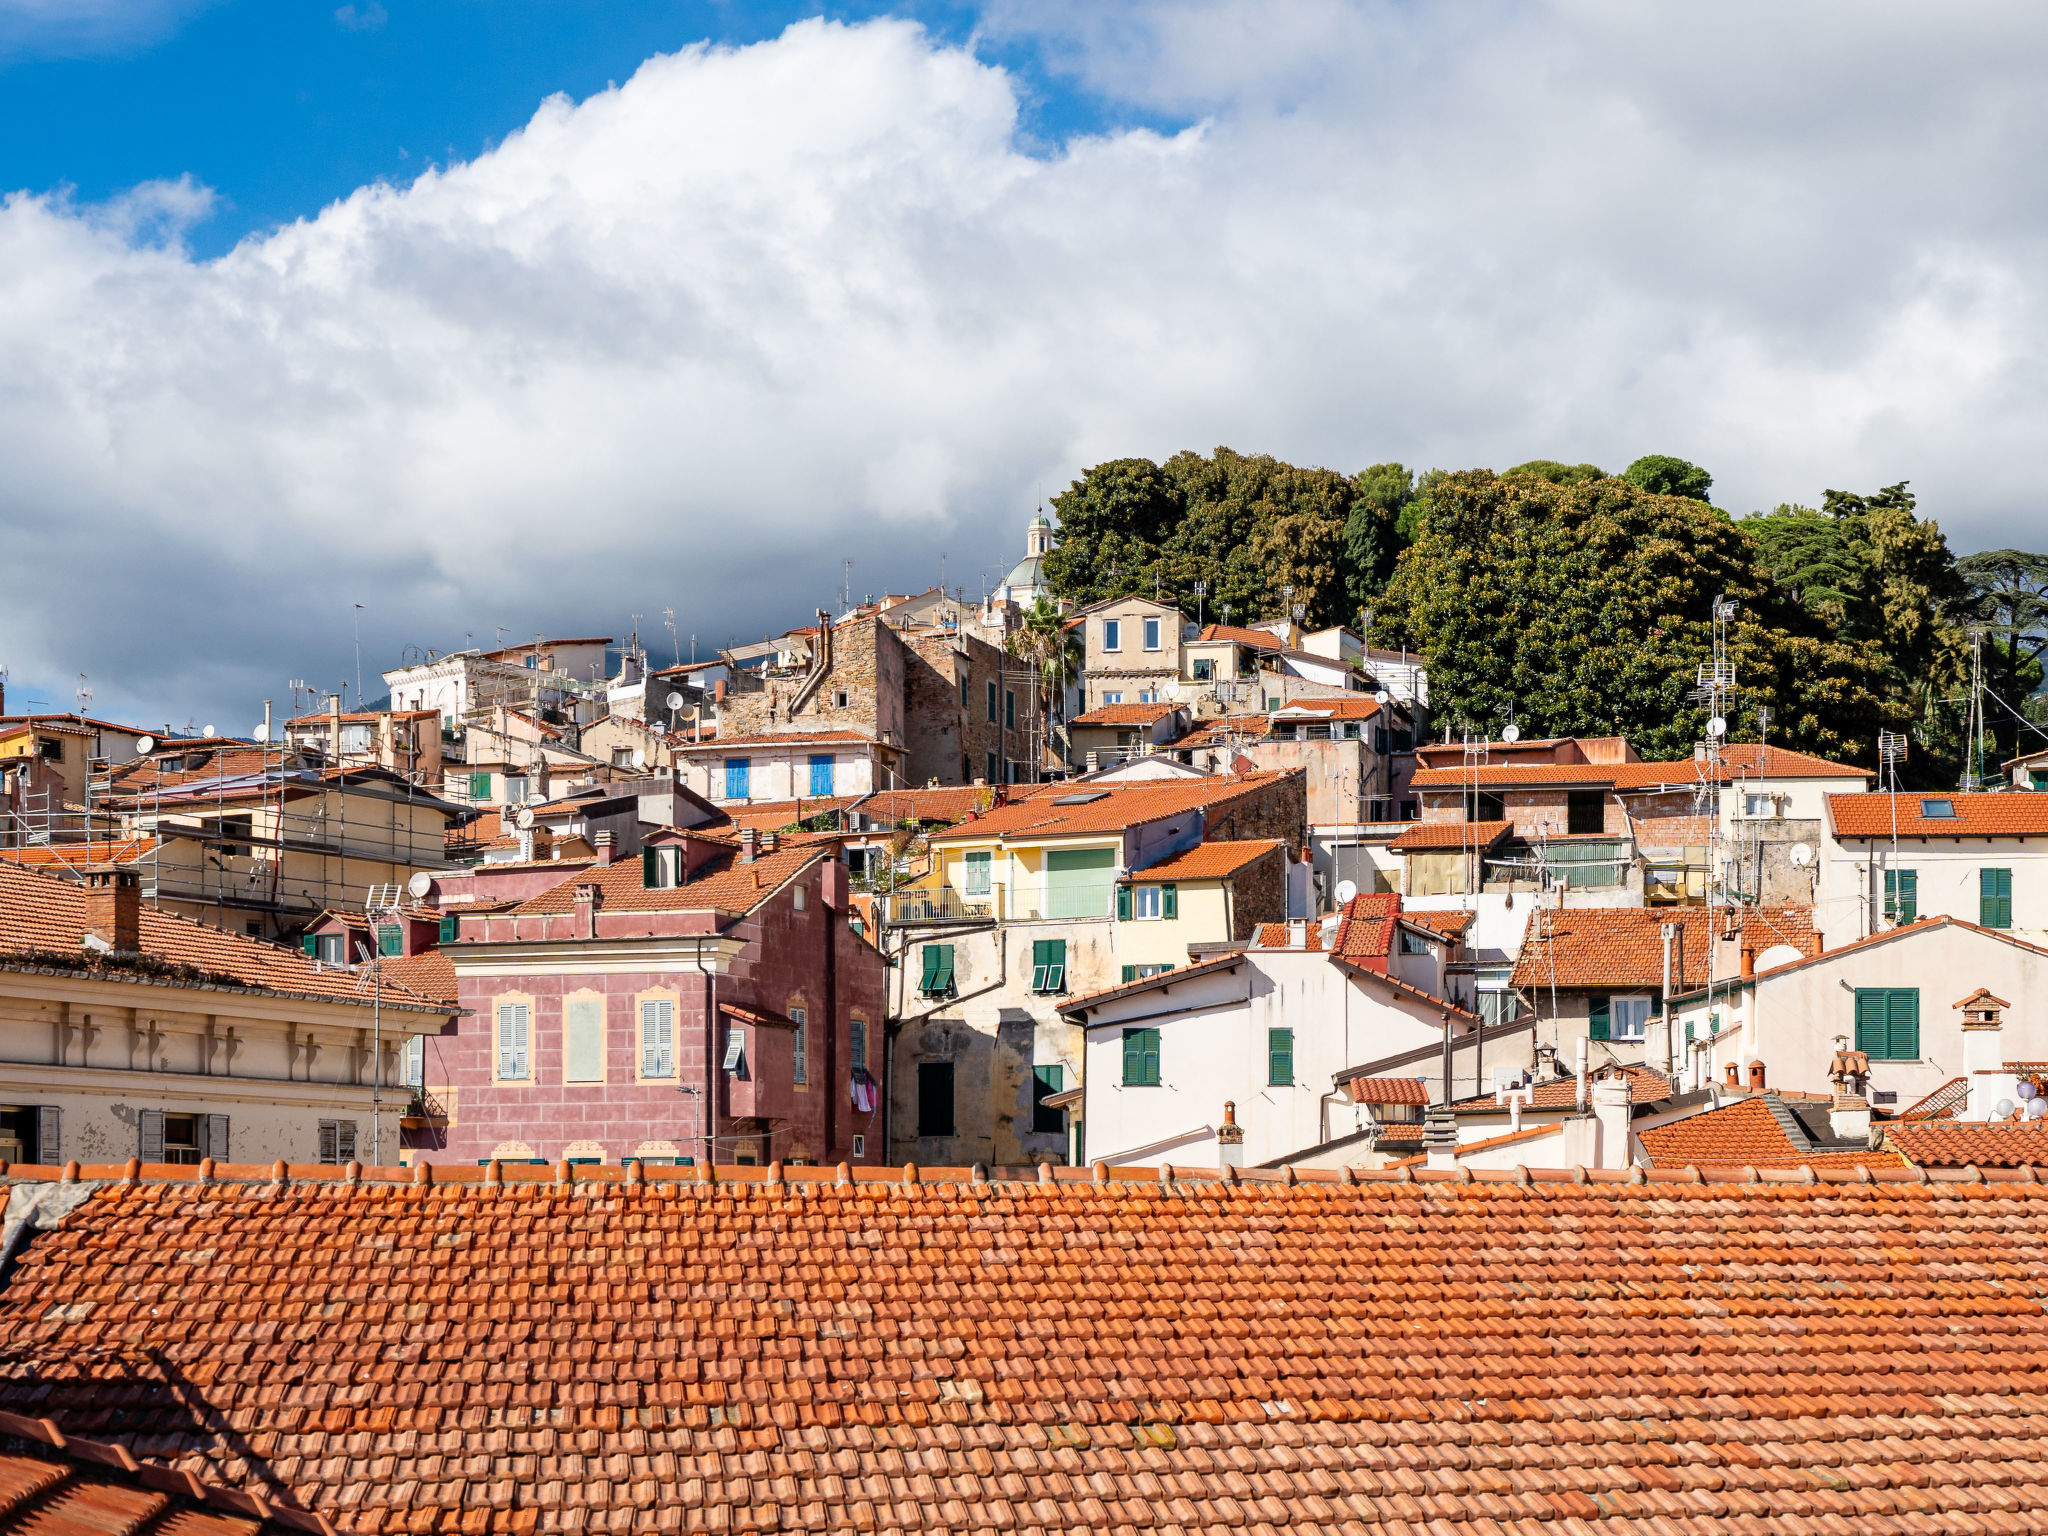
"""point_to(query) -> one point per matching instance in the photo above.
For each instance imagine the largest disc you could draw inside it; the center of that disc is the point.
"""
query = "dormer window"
(1937, 810)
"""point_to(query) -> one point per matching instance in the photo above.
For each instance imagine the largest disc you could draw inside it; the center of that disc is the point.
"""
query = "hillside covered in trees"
(1578, 602)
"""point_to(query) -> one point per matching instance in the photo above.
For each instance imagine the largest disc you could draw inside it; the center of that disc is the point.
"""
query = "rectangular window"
(513, 1062)
(1169, 902)
(1146, 903)
(1009, 709)
(1585, 811)
(800, 1047)
(1112, 698)
(991, 703)
(1044, 1082)
(1901, 895)
(992, 778)
(1629, 1017)
(979, 866)
(181, 1139)
(331, 948)
(1279, 1058)
(583, 1040)
(479, 786)
(235, 832)
(938, 971)
(1112, 634)
(1600, 1017)
(1205, 670)
(1994, 898)
(1379, 739)
(337, 1141)
(658, 1038)
(451, 928)
(963, 690)
(1151, 634)
(1888, 1023)
(1141, 1058)
(390, 939)
(857, 1044)
(821, 773)
(1413, 943)
(935, 1098)
(738, 776)
(1759, 805)
(1483, 805)
(1048, 965)
(515, 790)
(413, 1071)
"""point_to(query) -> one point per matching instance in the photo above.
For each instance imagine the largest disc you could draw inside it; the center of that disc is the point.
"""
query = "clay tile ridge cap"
(161, 1479)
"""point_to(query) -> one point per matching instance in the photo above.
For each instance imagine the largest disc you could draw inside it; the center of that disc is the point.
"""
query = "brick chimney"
(750, 844)
(1984, 1053)
(602, 841)
(1230, 1138)
(113, 909)
(588, 899)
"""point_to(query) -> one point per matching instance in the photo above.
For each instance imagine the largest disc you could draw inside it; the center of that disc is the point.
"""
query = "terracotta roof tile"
(1281, 936)
(1207, 861)
(1388, 1090)
(1350, 707)
(430, 974)
(1483, 1358)
(1601, 947)
(1164, 980)
(1958, 1144)
(1745, 1133)
(43, 918)
(1645, 1087)
(1107, 807)
(1945, 1103)
(1125, 714)
(1738, 762)
(1257, 639)
(1449, 836)
(725, 884)
(2012, 813)
(100, 853)
(1216, 733)
(945, 803)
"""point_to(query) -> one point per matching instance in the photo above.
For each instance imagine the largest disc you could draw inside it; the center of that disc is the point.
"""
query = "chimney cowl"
(602, 842)
(750, 844)
(113, 910)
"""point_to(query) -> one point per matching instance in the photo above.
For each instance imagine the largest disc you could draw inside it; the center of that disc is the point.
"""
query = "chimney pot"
(113, 909)
(602, 841)
(1756, 1077)
(750, 844)
(1748, 962)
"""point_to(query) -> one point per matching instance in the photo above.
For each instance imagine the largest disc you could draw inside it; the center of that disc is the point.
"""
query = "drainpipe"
(1664, 1000)
(707, 1120)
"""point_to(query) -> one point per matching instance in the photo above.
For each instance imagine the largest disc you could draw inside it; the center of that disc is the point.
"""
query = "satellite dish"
(1347, 892)
(1717, 727)
(145, 745)
(639, 758)
(676, 701)
(1512, 734)
(1170, 689)
(207, 732)
(524, 819)
(261, 733)
(1382, 697)
(421, 886)
(1801, 854)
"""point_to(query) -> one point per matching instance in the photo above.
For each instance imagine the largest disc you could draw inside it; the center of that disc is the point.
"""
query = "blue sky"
(281, 107)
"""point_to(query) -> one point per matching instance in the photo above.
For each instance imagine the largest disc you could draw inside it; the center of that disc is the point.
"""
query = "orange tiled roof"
(1163, 980)
(723, 885)
(59, 856)
(1125, 714)
(1744, 1134)
(1451, 925)
(948, 803)
(1216, 733)
(1485, 1357)
(1738, 762)
(1350, 707)
(1603, 947)
(1645, 1087)
(1945, 1103)
(1109, 808)
(1366, 930)
(431, 974)
(1958, 1144)
(2012, 813)
(1207, 861)
(42, 916)
(73, 1487)
(1388, 1090)
(1257, 639)
(1449, 836)
(1280, 936)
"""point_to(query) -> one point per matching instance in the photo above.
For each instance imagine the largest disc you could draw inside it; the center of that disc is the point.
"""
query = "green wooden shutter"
(451, 928)
(1123, 903)
(1130, 973)
(310, 943)
(1280, 1058)
(1870, 1021)
(390, 940)
(1056, 972)
(1038, 964)
(1141, 1058)
(943, 982)
(1901, 895)
(1169, 901)
(479, 786)
(1599, 1017)
(1902, 1024)
(1994, 898)
(649, 877)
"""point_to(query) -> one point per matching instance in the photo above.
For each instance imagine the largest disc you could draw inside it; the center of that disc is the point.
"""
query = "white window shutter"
(512, 1041)
(150, 1135)
(50, 1135)
(330, 1142)
(213, 1137)
(345, 1141)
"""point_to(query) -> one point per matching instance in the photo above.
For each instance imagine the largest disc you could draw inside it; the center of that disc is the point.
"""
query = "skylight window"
(1937, 810)
(1085, 798)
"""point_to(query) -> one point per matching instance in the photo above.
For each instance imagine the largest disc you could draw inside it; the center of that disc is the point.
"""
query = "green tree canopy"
(1586, 609)
(1662, 475)
(2008, 594)
(1553, 473)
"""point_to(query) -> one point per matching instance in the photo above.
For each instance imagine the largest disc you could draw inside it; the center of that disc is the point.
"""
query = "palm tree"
(1054, 653)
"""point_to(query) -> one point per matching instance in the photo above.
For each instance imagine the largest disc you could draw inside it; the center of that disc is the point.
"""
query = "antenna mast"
(1716, 686)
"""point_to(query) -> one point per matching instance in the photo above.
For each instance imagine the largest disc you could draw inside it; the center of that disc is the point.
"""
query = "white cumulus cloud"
(694, 340)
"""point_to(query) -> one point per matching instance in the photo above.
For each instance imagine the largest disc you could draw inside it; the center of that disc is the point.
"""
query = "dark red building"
(707, 997)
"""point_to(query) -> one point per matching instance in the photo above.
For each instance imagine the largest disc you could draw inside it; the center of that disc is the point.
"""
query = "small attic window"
(1088, 797)
(1937, 810)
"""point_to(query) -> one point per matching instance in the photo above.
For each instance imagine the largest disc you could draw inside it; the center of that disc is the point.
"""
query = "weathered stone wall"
(1258, 895)
(862, 691)
(1275, 809)
(948, 740)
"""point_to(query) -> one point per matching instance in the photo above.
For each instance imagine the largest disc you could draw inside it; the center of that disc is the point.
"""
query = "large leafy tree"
(1586, 608)
(2008, 594)
(1662, 475)
(1372, 531)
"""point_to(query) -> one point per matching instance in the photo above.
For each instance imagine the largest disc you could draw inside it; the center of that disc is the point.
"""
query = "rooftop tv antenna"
(1715, 687)
(83, 695)
(1973, 729)
(668, 619)
(1891, 751)
(1201, 591)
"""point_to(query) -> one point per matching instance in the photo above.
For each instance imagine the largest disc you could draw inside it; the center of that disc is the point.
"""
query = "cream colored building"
(1132, 647)
(129, 1032)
